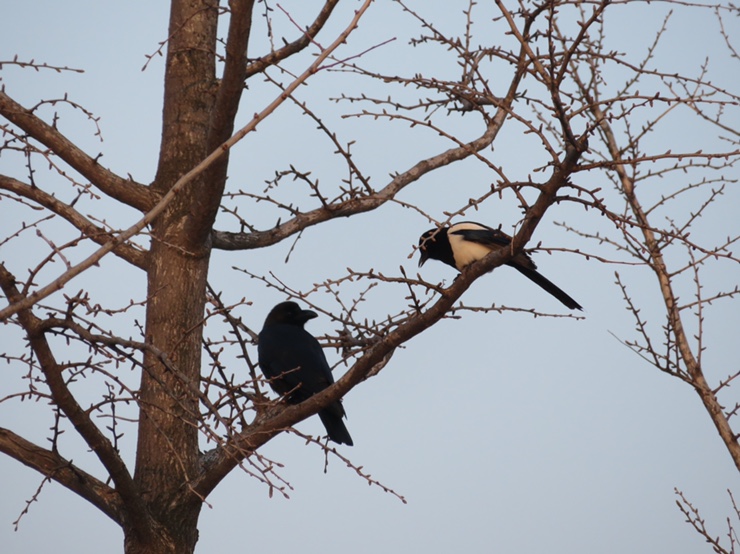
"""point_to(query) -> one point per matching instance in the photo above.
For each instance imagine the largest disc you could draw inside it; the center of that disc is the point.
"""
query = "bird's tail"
(548, 285)
(335, 428)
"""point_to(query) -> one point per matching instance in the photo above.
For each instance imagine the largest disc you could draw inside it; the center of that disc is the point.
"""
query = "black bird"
(464, 243)
(293, 361)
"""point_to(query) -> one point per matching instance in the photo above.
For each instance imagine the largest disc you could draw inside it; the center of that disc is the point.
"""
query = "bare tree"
(175, 380)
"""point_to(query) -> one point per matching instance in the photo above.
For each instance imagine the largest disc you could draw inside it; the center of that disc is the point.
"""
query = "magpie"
(464, 243)
(294, 363)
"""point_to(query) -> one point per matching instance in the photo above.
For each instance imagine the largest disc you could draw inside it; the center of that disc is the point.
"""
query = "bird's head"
(289, 313)
(428, 244)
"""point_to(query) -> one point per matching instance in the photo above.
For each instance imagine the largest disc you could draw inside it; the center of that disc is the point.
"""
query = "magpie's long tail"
(335, 428)
(548, 285)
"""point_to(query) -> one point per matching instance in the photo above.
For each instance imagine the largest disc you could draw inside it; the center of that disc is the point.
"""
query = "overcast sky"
(504, 432)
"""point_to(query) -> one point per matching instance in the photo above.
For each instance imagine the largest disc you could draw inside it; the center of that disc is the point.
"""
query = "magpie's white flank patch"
(464, 251)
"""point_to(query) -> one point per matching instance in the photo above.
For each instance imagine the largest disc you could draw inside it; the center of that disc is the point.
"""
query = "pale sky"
(504, 432)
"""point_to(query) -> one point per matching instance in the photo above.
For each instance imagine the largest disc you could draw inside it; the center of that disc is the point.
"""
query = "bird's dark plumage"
(294, 362)
(464, 243)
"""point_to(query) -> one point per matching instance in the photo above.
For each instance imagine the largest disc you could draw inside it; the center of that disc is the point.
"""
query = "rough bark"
(167, 451)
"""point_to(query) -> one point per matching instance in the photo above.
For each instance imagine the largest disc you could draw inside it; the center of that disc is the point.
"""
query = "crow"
(464, 243)
(294, 364)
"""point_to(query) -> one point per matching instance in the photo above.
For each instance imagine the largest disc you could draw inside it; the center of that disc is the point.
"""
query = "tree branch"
(135, 508)
(129, 192)
(97, 234)
(659, 267)
(50, 464)
(224, 240)
(275, 57)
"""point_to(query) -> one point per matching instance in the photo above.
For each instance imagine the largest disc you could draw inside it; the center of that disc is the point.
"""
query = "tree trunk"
(167, 455)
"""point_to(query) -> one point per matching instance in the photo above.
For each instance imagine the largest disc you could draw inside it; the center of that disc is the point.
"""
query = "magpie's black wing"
(494, 238)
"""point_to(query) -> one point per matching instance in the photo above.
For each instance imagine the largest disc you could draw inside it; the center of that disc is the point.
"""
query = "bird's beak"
(424, 257)
(309, 314)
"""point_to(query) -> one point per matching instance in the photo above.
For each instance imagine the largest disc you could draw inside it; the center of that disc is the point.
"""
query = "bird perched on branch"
(464, 243)
(294, 363)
